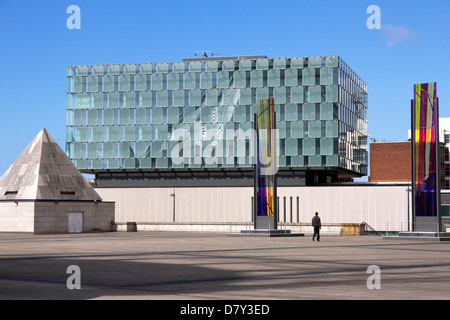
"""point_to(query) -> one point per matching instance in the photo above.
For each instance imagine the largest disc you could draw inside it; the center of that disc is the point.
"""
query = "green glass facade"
(135, 116)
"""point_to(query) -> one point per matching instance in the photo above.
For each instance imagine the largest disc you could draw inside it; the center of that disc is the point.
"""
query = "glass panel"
(156, 115)
(178, 98)
(178, 67)
(309, 76)
(189, 114)
(212, 66)
(173, 81)
(315, 129)
(92, 117)
(108, 117)
(162, 98)
(332, 160)
(114, 100)
(124, 150)
(141, 117)
(146, 68)
(124, 116)
(223, 79)
(195, 66)
(291, 147)
(228, 65)
(92, 84)
(162, 163)
(83, 101)
(130, 133)
(112, 133)
(157, 81)
(97, 100)
(256, 78)
(129, 100)
(240, 114)
(332, 93)
(326, 76)
(262, 93)
(281, 126)
(245, 64)
(92, 150)
(173, 115)
(189, 80)
(129, 68)
(82, 70)
(297, 63)
(314, 62)
(245, 97)
(332, 129)
(145, 99)
(297, 129)
(326, 111)
(297, 161)
(162, 67)
(309, 111)
(206, 114)
(315, 161)
(332, 61)
(262, 64)
(327, 146)
(297, 94)
(195, 98)
(109, 150)
(240, 79)
(315, 94)
(77, 84)
(98, 70)
(279, 63)
(156, 149)
(291, 112)
(108, 83)
(211, 97)
(309, 147)
(113, 69)
(279, 95)
(273, 77)
(206, 80)
(291, 77)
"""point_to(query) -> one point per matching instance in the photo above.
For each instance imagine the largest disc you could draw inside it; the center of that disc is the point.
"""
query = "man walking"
(316, 225)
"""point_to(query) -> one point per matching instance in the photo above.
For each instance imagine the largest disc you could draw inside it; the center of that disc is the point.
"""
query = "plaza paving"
(213, 266)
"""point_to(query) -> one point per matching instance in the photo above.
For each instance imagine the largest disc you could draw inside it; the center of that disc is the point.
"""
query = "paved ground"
(199, 266)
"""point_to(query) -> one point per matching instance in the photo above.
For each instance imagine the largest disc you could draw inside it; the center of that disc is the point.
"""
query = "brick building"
(390, 162)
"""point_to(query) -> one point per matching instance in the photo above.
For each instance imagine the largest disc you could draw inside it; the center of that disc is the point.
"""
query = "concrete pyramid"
(44, 172)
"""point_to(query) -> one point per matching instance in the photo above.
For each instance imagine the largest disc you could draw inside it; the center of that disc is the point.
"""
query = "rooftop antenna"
(205, 53)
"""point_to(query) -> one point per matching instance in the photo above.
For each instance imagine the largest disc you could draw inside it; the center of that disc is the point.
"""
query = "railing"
(368, 228)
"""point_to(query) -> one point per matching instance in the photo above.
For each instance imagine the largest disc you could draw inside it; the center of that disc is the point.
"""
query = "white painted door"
(75, 222)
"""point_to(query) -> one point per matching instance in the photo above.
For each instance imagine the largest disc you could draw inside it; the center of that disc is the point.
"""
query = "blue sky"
(412, 46)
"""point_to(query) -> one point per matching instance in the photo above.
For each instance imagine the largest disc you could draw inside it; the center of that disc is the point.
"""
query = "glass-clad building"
(179, 121)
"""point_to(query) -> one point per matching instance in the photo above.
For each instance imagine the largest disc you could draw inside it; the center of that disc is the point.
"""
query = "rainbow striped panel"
(265, 122)
(425, 144)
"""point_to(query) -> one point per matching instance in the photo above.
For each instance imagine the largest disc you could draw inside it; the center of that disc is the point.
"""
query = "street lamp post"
(173, 195)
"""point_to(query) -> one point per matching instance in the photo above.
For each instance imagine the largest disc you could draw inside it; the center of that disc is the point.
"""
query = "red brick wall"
(390, 161)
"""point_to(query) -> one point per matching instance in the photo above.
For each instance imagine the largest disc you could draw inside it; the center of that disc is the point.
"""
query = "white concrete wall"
(385, 208)
(16, 217)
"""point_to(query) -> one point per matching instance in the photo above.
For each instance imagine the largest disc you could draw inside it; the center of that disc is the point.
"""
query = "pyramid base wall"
(44, 217)
(16, 217)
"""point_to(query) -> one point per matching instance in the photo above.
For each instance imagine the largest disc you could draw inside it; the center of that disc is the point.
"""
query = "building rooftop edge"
(250, 57)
